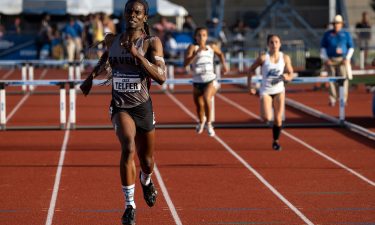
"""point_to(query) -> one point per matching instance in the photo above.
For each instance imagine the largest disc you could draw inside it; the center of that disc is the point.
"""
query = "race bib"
(127, 84)
(203, 68)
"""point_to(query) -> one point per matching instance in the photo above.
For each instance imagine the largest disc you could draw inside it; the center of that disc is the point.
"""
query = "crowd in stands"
(73, 38)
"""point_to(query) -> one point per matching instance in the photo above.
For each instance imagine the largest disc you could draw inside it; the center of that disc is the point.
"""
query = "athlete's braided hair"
(145, 6)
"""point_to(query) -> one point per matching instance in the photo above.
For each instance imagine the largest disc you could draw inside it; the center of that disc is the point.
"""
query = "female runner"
(134, 58)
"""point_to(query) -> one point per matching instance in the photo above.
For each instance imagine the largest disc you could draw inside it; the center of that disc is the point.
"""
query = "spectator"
(170, 46)
(162, 27)
(216, 34)
(239, 30)
(2, 31)
(336, 51)
(98, 34)
(364, 33)
(17, 25)
(72, 37)
(44, 36)
(189, 24)
(108, 25)
(56, 44)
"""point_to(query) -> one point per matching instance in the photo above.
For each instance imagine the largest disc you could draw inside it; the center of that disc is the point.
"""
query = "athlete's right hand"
(86, 85)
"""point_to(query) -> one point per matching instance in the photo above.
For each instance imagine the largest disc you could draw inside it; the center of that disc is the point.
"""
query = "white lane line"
(170, 204)
(56, 185)
(7, 74)
(163, 188)
(304, 144)
(24, 98)
(182, 106)
(329, 158)
(264, 181)
(252, 170)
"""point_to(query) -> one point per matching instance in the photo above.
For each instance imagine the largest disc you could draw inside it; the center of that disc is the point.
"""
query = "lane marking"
(24, 98)
(56, 185)
(163, 188)
(313, 149)
(7, 74)
(61, 159)
(170, 204)
(252, 170)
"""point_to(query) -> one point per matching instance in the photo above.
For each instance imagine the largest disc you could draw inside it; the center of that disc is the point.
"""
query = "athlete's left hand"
(277, 80)
(130, 47)
(225, 69)
(87, 85)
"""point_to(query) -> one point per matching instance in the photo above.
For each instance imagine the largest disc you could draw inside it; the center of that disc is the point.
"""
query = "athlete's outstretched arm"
(258, 62)
(221, 56)
(190, 55)
(100, 66)
(288, 71)
(155, 66)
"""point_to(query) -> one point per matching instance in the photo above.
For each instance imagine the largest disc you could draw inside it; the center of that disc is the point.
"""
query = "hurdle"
(183, 81)
(62, 103)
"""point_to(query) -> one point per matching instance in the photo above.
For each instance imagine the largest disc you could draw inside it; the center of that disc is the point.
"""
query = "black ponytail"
(146, 28)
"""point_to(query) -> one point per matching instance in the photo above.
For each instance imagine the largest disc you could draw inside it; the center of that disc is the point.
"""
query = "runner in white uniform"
(276, 68)
(201, 56)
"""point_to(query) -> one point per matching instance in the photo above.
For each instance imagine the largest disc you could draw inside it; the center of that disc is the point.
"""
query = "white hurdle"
(62, 106)
(72, 105)
(3, 119)
(4, 83)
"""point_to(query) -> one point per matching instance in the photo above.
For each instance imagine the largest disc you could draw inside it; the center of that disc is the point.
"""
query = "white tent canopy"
(166, 8)
(161, 7)
(85, 7)
(11, 7)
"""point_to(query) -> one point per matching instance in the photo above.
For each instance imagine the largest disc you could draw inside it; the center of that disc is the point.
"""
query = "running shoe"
(276, 146)
(210, 130)
(149, 193)
(129, 216)
(200, 126)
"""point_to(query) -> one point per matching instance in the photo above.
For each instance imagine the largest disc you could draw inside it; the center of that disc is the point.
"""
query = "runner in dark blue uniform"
(135, 58)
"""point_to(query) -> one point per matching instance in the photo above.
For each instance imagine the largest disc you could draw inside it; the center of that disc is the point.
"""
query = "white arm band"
(159, 58)
(350, 53)
(323, 54)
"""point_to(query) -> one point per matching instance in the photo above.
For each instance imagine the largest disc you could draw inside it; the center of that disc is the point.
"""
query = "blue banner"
(16, 47)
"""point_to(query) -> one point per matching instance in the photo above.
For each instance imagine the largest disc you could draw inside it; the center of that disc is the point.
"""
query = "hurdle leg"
(362, 59)
(71, 71)
(213, 109)
(240, 61)
(218, 75)
(165, 86)
(77, 73)
(171, 76)
(62, 106)
(3, 119)
(31, 76)
(227, 59)
(72, 105)
(24, 76)
(342, 103)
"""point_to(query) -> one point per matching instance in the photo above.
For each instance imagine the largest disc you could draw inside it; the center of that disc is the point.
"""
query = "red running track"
(322, 176)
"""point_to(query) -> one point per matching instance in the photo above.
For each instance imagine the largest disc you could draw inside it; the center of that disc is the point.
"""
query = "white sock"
(145, 178)
(129, 195)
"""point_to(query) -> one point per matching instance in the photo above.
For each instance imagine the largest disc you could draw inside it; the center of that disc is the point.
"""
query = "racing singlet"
(203, 66)
(129, 83)
(271, 71)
